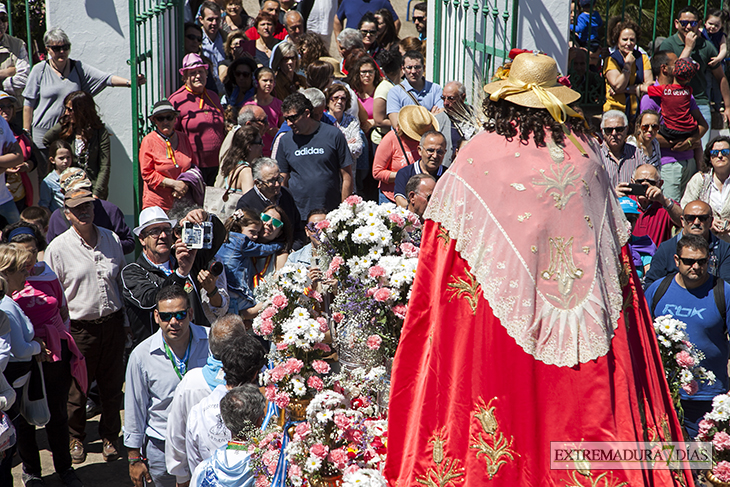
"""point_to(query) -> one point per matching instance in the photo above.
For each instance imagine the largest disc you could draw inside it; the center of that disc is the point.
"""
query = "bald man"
(696, 220)
(659, 213)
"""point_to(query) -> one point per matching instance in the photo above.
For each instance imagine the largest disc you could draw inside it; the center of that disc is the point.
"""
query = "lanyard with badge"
(180, 366)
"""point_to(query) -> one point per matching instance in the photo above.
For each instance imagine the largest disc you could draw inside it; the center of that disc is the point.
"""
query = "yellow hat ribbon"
(557, 109)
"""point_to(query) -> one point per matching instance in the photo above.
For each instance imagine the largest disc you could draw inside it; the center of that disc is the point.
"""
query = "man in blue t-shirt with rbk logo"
(698, 299)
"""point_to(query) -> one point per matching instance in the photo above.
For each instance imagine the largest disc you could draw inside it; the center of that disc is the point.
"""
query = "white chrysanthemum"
(312, 464)
(365, 477)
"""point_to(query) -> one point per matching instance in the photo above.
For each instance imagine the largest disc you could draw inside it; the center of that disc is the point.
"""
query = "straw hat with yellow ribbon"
(533, 83)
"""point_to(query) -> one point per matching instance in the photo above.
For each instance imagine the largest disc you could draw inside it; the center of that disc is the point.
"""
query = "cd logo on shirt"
(308, 151)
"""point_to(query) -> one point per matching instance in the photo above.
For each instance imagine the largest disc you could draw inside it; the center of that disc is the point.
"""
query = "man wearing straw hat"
(527, 277)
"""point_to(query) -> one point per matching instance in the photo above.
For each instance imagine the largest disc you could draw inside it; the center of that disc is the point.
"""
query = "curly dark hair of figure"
(511, 120)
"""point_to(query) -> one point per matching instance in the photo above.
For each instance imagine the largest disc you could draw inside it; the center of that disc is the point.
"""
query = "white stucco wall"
(99, 33)
(544, 25)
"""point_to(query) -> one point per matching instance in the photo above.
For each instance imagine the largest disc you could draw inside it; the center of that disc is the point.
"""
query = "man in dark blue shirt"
(696, 220)
(690, 298)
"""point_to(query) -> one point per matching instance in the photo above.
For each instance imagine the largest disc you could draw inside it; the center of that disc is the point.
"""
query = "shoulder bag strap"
(405, 154)
(415, 100)
(660, 292)
(232, 180)
(718, 290)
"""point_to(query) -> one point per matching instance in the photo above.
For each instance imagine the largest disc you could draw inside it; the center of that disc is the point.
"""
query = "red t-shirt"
(675, 102)
(279, 32)
(654, 222)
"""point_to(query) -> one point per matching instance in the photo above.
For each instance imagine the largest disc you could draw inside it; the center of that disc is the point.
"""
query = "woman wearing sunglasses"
(709, 186)
(647, 127)
(277, 229)
(238, 82)
(51, 80)
(164, 154)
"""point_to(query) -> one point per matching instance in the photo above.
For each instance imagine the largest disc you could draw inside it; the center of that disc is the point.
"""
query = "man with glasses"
(414, 89)
(697, 298)
(659, 214)
(210, 20)
(678, 161)
(619, 158)
(688, 42)
(14, 62)
(696, 220)
(154, 371)
(455, 121)
(432, 150)
(252, 115)
(420, 19)
(314, 158)
(419, 190)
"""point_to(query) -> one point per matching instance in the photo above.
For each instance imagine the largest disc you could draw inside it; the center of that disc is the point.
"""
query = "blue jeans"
(694, 411)
(10, 212)
(382, 199)
(707, 114)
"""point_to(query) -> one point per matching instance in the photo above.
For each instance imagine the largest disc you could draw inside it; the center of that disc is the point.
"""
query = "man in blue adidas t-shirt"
(690, 297)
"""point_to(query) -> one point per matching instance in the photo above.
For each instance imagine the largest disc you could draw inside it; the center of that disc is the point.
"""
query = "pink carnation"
(315, 295)
(302, 429)
(322, 225)
(293, 366)
(353, 200)
(337, 261)
(319, 450)
(409, 250)
(322, 346)
(397, 219)
(382, 294)
(321, 366)
(705, 425)
(722, 471)
(279, 300)
(270, 392)
(282, 399)
(268, 313)
(262, 481)
(374, 342)
(684, 359)
(277, 373)
(315, 383)
(351, 469)
(338, 317)
(691, 388)
(294, 471)
(376, 271)
(413, 218)
(323, 326)
(721, 441)
(282, 346)
(342, 421)
(400, 311)
(339, 458)
(267, 327)
(371, 291)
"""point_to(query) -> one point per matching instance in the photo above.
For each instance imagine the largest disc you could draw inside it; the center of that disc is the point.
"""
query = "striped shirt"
(622, 170)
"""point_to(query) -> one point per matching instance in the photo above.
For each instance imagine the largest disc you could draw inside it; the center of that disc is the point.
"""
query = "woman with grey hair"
(51, 80)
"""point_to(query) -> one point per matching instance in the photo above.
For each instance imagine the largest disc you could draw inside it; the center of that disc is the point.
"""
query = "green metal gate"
(156, 51)
(472, 38)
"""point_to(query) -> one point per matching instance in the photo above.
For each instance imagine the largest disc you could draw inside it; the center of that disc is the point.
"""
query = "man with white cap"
(88, 261)
(14, 62)
(157, 267)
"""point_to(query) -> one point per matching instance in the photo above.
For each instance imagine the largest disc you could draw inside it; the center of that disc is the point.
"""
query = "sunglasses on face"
(610, 130)
(368, 32)
(720, 152)
(647, 126)
(691, 262)
(61, 48)
(419, 19)
(274, 221)
(244, 74)
(165, 118)
(691, 23)
(293, 118)
(692, 218)
(648, 181)
(193, 37)
(3, 19)
(169, 315)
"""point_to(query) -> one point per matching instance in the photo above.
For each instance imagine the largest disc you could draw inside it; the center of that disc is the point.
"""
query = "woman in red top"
(164, 154)
(201, 116)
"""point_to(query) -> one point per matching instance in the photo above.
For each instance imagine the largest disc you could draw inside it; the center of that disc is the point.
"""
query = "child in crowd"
(642, 248)
(677, 121)
(587, 25)
(60, 156)
(38, 216)
(715, 33)
(235, 255)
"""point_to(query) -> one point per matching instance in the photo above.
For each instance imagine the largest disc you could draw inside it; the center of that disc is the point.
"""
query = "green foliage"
(37, 11)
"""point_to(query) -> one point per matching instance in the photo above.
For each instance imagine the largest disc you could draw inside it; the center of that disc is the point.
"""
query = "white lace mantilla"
(542, 233)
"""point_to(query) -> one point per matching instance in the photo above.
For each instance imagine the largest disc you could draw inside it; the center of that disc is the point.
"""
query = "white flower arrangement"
(364, 477)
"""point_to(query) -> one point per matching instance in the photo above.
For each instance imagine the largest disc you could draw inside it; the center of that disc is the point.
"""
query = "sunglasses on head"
(610, 130)
(691, 23)
(274, 221)
(692, 218)
(690, 262)
(169, 315)
(61, 48)
(647, 126)
(165, 118)
(717, 152)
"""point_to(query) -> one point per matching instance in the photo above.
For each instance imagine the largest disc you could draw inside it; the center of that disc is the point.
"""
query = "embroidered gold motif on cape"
(469, 289)
(491, 443)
